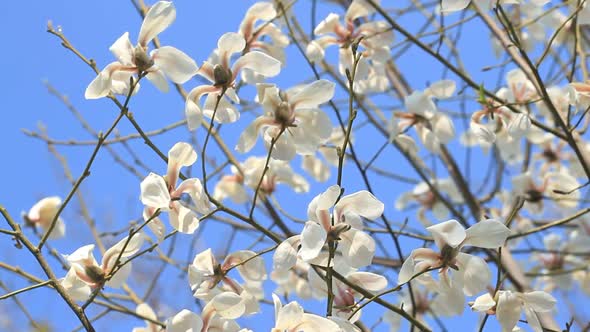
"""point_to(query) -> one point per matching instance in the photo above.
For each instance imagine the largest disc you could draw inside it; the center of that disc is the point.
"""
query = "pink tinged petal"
(407, 270)
(449, 232)
(192, 111)
(123, 249)
(183, 219)
(313, 94)
(313, 238)
(369, 281)
(45, 210)
(508, 310)
(155, 225)
(442, 89)
(476, 273)
(259, 62)
(253, 270)
(82, 255)
(362, 203)
(226, 112)
(158, 79)
(358, 9)
(178, 66)
(122, 49)
(358, 248)
(184, 321)
(59, 230)
(285, 256)
(228, 305)
(483, 303)
(154, 192)
(328, 25)
(228, 44)
(284, 147)
(157, 19)
(258, 11)
(205, 262)
(77, 289)
(420, 103)
(314, 51)
(454, 5)
(328, 198)
(539, 301)
(248, 137)
(429, 139)
(180, 155)
(488, 233)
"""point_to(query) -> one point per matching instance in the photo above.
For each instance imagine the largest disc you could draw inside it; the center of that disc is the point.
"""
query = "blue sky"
(31, 57)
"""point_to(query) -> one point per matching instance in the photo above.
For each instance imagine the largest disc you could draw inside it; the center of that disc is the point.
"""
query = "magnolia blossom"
(293, 281)
(344, 296)
(144, 310)
(508, 306)
(231, 186)
(205, 273)
(433, 127)
(256, 36)
(295, 116)
(217, 316)
(429, 201)
(223, 79)
(318, 168)
(344, 226)
(458, 271)
(161, 193)
(164, 62)
(292, 318)
(86, 274)
(559, 186)
(374, 36)
(42, 214)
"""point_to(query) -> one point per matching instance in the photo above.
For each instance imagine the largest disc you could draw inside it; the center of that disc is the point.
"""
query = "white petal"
(508, 310)
(180, 155)
(193, 114)
(124, 248)
(154, 192)
(228, 305)
(100, 86)
(540, 301)
(81, 254)
(476, 273)
(313, 94)
(519, 125)
(122, 49)
(362, 203)
(157, 19)
(358, 248)
(76, 288)
(289, 316)
(488, 233)
(454, 5)
(328, 24)
(407, 270)
(158, 79)
(285, 256)
(369, 281)
(253, 270)
(178, 66)
(230, 43)
(259, 62)
(313, 238)
(442, 89)
(118, 279)
(183, 219)
(443, 128)
(184, 321)
(449, 232)
(483, 303)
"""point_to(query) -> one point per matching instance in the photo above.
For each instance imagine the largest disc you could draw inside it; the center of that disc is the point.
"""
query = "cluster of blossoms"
(338, 237)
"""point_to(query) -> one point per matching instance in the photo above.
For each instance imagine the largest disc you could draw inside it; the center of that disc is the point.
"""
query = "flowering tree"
(414, 196)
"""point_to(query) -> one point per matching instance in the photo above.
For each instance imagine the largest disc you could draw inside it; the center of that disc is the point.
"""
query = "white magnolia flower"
(279, 172)
(357, 247)
(42, 214)
(291, 317)
(433, 127)
(86, 274)
(429, 201)
(265, 37)
(205, 274)
(164, 62)
(459, 272)
(508, 306)
(374, 36)
(319, 168)
(144, 310)
(296, 114)
(231, 186)
(566, 197)
(161, 192)
(217, 316)
(223, 80)
(293, 281)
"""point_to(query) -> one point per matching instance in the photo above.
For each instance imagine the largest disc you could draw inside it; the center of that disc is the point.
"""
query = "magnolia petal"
(369, 281)
(362, 203)
(442, 89)
(407, 270)
(508, 310)
(259, 62)
(180, 155)
(488, 233)
(77, 289)
(81, 254)
(519, 125)
(177, 65)
(483, 303)
(154, 192)
(193, 114)
(123, 249)
(120, 277)
(122, 49)
(285, 256)
(449, 232)
(328, 24)
(100, 86)
(454, 5)
(313, 238)
(443, 128)
(313, 94)
(59, 230)
(253, 270)
(358, 248)
(249, 136)
(184, 321)
(540, 301)
(157, 19)
(289, 316)
(158, 79)
(230, 43)
(183, 219)
(476, 273)
(228, 305)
